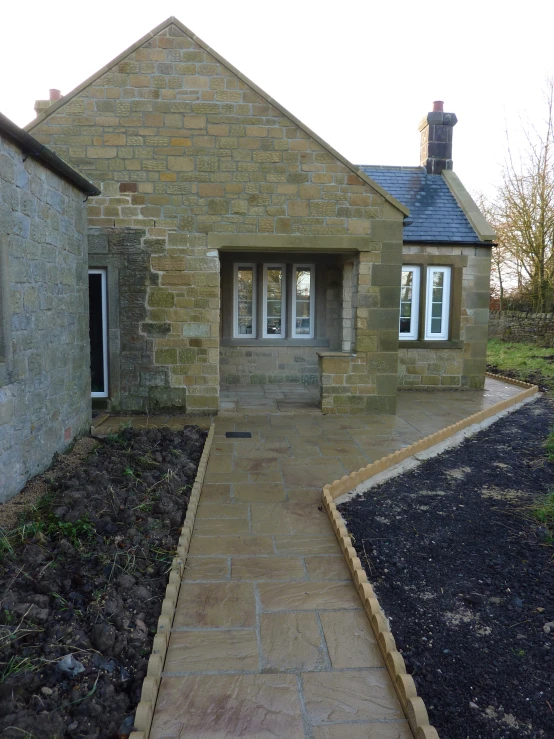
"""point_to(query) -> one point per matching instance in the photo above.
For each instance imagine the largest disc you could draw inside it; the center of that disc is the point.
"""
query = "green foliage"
(543, 511)
(522, 359)
(549, 445)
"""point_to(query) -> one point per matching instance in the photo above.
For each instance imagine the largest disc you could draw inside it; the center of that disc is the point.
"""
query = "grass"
(527, 361)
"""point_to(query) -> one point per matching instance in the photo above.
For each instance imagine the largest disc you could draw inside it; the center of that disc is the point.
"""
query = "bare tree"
(505, 268)
(524, 211)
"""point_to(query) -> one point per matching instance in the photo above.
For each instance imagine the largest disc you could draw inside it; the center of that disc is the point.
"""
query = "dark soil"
(82, 578)
(466, 576)
(534, 377)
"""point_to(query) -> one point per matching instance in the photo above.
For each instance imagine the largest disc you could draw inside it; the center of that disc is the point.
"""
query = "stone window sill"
(457, 344)
(275, 342)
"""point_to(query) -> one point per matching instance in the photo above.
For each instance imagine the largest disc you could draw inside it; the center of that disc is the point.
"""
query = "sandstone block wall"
(460, 364)
(532, 328)
(44, 344)
(182, 148)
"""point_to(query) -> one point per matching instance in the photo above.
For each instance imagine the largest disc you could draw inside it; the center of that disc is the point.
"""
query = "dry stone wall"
(532, 328)
(182, 147)
(44, 347)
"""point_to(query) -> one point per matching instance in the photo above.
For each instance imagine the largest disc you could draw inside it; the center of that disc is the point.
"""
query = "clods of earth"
(464, 569)
(83, 573)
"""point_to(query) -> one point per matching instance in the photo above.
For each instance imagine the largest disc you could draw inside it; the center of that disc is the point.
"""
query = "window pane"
(245, 285)
(437, 305)
(438, 279)
(409, 292)
(303, 282)
(274, 277)
(407, 277)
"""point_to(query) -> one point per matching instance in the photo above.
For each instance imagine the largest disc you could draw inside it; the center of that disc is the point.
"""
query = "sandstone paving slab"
(208, 545)
(315, 476)
(350, 640)
(224, 526)
(305, 495)
(307, 596)
(291, 641)
(208, 651)
(267, 568)
(302, 545)
(289, 518)
(374, 730)
(207, 568)
(226, 477)
(216, 493)
(224, 706)
(262, 492)
(356, 695)
(330, 567)
(212, 605)
(230, 509)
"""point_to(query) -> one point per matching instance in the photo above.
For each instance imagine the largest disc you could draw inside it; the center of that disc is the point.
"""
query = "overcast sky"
(358, 72)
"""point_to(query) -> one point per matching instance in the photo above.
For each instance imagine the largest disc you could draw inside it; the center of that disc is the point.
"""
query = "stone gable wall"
(181, 148)
(44, 356)
(531, 328)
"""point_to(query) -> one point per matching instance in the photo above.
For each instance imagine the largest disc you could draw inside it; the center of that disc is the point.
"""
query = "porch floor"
(269, 637)
(292, 396)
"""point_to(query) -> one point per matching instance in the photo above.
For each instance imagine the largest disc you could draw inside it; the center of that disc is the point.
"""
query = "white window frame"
(238, 266)
(104, 288)
(311, 335)
(282, 333)
(416, 281)
(445, 317)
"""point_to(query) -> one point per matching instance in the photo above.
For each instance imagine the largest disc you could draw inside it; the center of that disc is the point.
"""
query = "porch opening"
(98, 332)
(278, 310)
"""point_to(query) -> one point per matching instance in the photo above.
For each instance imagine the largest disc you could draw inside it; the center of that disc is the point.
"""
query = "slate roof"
(437, 216)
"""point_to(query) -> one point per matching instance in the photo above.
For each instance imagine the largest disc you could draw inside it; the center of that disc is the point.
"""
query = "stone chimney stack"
(436, 139)
(41, 105)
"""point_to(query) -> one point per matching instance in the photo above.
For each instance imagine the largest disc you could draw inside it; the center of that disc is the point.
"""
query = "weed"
(549, 445)
(543, 511)
(15, 665)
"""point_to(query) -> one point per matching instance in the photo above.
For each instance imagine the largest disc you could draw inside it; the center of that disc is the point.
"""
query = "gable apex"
(172, 21)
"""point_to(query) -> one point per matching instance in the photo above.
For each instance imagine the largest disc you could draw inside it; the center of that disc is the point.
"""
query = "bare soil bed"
(466, 576)
(82, 577)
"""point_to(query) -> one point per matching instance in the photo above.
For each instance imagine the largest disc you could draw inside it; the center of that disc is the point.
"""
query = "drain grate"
(238, 434)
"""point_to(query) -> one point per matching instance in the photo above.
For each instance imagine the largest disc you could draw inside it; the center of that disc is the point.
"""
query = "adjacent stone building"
(44, 342)
(230, 244)
(445, 267)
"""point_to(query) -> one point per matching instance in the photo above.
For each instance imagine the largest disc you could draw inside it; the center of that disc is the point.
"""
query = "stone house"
(44, 343)
(230, 244)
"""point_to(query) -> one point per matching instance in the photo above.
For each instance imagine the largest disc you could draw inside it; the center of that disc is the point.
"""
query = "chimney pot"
(55, 95)
(438, 106)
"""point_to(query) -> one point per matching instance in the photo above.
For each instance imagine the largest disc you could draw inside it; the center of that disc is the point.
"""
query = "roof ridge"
(399, 167)
(174, 21)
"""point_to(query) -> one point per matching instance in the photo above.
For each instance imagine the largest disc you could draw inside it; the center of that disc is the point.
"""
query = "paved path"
(269, 637)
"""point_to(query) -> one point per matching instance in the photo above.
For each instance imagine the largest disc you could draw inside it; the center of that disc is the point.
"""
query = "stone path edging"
(412, 705)
(150, 686)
